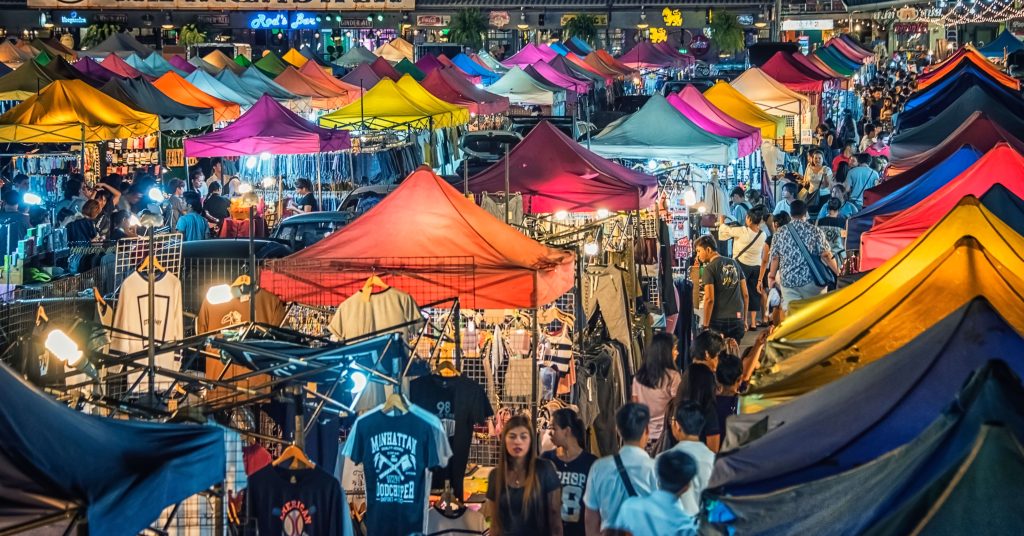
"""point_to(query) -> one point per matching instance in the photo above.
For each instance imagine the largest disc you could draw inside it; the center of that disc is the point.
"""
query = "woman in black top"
(524, 497)
(82, 227)
(216, 206)
(573, 466)
(304, 198)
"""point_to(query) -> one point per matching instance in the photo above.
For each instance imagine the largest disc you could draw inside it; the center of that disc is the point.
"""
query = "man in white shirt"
(868, 139)
(687, 424)
(630, 473)
(789, 191)
(660, 513)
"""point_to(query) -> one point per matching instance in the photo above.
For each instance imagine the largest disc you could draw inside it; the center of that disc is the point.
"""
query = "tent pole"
(81, 162)
(319, 183)
(506, 184)
(151, 328)
(534, 371)
(465, 176)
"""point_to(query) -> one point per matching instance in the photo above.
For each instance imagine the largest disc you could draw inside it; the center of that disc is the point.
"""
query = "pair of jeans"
(732, 328)
(791, 294)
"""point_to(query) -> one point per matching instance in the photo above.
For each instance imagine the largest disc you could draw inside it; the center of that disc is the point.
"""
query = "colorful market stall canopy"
(383, 69)
(53, 48)
(211, 86)
(24, 81)
(979, 131)
(120, 43)
(295, 58)
(456, 90)
(553, 77)
(447, 63)
(555, 173)
(117, 475)
(396, 50)
(179, 89)
(659, 131)
(267, 127)
(610, 61)
(489, 62)
(242, 60)
(259, 83)
(89, 67)
(970, 100)
(645, 55)
(529, 55)
(322, 96)
(425, 218)
(317, 74)
(222, 61)
(472, 68)
(573, 70)
(924, 137)
(203, 65)
(579, 46)
(966, 54)
(270, 64)
(357, 55)
(691, 103)
(362, 76)
(407, 67)
(428, 63)
(141, 95)
(925, 105)
(794, 75)
(522, 89)
(11, 55)
(880, 293)
(387, 106)
(69, 111)
(182, 65)
(116, 65)
(1002, 46)
(970, 454)
(732, 102)
(1001, 165)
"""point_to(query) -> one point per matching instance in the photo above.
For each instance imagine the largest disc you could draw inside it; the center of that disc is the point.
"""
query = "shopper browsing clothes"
(524, 497)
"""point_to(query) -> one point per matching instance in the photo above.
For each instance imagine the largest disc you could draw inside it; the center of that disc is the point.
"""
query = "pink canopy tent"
(180, 64)
(686, 59)
(645, 55)
(383, 69)
(449, 64)
(794, 75)
(554, 173)
(450, 87)
(362, 76)
(428, 63)
(118, 66)
(848, 51)
(557, 78)
(529, 55)
(692, 103)
(571, 96)
(271, 128)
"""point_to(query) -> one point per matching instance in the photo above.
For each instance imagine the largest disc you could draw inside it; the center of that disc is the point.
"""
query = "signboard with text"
(432, 21)
(807, 24)
(227, 5)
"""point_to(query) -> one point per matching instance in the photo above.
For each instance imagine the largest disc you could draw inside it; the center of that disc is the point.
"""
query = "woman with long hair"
(657, 382)
(573, 464)
(702, 388)
(524, 497)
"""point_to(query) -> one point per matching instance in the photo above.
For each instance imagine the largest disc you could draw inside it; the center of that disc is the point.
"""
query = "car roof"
(317, 217)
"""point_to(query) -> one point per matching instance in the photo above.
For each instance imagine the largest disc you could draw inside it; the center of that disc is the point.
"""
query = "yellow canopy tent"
(899, 300)
(402, 104)
(295, 58)
(395, 50)
(732, 102)
(70, 111)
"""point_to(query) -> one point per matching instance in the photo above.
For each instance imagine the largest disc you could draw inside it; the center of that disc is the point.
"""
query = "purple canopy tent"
(529, 55)
(91, 68)
(692, 103)
(561, 80)
(271, 128)
(181, 64)
(686, 59)
(362, 76)
(428, 63)
(644, 55)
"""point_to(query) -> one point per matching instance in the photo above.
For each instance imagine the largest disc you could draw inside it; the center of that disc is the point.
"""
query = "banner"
(228, 5)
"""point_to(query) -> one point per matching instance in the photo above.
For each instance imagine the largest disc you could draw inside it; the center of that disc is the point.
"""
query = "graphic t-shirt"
(304, 502)
(459, 403)
(396, 451)
(727, 277)
(573, 476)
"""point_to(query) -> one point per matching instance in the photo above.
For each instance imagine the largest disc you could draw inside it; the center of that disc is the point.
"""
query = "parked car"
(675, 86)
(485, 147)
(303, 230)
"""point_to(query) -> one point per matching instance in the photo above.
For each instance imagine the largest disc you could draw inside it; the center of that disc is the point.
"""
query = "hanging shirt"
(307, 502)
(269, 310)
(459, 403)
(557, 350)
(396, 451)
(132, 315)
(573, 476)
(358, 316)
(460, 522)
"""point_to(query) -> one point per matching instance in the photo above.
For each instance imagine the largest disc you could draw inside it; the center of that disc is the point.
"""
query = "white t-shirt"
(742, 236)
(605, 490)
(705, 460)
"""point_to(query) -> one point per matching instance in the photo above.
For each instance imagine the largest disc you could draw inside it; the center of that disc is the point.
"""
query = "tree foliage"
(97, 33)
(467, 28)
(582, 26)
(727, 32)
(190, 34)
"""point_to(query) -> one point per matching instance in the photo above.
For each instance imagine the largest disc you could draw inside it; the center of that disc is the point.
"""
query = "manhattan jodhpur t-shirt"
(396, 452)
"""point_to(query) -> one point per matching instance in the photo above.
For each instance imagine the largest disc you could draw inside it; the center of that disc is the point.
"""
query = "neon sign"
(266, 21)
(302, 20)
(73, 18)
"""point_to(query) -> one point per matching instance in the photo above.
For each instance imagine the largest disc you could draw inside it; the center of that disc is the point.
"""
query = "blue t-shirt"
(193, 227)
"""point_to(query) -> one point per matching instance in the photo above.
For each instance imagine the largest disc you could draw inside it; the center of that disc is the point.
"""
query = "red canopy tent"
(267, 127)
(608, 76)
(609, 60)
(429, 240)
(890, 234)
(448, 63)
(644, 55)
(596, 63)
(795, 75)
(383, 69)
(554, 173)
(850, 49)
(118, 66)
(450, 87)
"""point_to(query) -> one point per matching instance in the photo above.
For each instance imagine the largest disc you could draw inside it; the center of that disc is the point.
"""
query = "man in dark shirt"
(13, 224)
(725, 290)
(216, 206)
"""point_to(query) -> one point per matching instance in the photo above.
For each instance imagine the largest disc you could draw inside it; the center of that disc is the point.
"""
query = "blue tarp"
(579, 46)
(561, 49)
(876, 409)
(467, 64)
(969, 89)
(1006, 43)
(910, 194)
(122, 473)
(936, 482)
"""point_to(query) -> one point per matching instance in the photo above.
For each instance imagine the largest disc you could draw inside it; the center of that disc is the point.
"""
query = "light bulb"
(602, 213)
(31, 199)
(62, 347)
(562, 215)
(265, 155)
(470, 326)
(359, 381)
(156, 195)
(219, 294)
(689, 197)
(590, 248)
(702, 209)
(133, 220)
(250, 163)
(268, 182)
(652, 164)
(244, 188)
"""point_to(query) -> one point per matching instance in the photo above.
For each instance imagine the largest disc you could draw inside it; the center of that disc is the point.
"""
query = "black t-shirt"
(727, 277)
(510, 507)
(573, 476)
(304, 501)
(83, 230)
(725, 405)
(396, 452)
(218, 206)
(459, 403)
(308, 199)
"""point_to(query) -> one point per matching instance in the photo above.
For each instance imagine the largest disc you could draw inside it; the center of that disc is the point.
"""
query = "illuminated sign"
(659, 35)
(227, 5)
(433, 21)
(499, 19)
(267, 21)
(809, 24)
(599, 19)
(672, 17)
(73, 19)
(745, 19)
(302, 20)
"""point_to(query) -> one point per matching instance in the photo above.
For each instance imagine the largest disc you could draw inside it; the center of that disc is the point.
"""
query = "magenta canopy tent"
(559, 79)
(645, 55)
(692, 103)
(428, 63)
(179, 63)
(90, 67)
(671, 52)
(271, 128)
(529, 55)
(554, 173)
(362, 76)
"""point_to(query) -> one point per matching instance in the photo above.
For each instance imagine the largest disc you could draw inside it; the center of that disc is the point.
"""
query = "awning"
(732, 102)
(403, 105)
(179, 89)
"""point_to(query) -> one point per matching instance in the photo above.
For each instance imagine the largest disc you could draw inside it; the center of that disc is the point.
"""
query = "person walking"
(789, 266)
(687, 425)
(573, 465)
(662, 513)
(657, 382)
(524, 497)
(748, 245)
(725, 290)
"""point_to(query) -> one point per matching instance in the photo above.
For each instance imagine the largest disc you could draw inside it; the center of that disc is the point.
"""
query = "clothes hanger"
(373, 281)
(151, 261)
(394, 402)
(297, 456)
(242, 280)
(41, 315)
(446, 365)
(98, 297)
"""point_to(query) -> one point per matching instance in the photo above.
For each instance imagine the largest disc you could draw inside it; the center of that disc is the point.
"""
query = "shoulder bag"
(744, 250)
(630, 490)
(821, 274)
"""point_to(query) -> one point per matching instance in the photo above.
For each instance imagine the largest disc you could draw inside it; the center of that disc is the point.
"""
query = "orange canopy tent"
(315, 72)
(321, 95)
(966, 54)
(610, 60)
(181, 90)
(429, 240)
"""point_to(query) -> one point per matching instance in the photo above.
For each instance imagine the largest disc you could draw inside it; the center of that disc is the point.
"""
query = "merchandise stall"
(777, 99)
(524, 92)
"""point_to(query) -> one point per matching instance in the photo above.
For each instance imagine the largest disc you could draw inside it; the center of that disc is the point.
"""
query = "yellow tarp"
(11, 56)
(295, 58)
(395, 50)
(402, 104)
(770, 94)
(829, 337)
(68, 110)
(222, 61)
(732, 102)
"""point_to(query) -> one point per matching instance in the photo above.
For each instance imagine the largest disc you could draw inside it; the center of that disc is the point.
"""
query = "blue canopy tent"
(909, 195)
(966, 77)
(895, 397)
(967, 91)
(931, 483)
(1006, 43)
(117, 475)
(837, 56)
(579, 46)
(212, 86)
(560, 48)
(467, 64)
